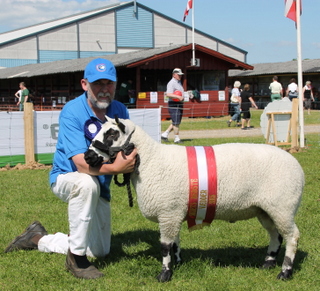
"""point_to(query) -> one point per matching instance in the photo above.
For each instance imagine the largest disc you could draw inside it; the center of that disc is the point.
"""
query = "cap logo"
(101, 67)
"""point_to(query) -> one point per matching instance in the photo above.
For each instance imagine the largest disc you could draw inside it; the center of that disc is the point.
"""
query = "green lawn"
(220, 122)
(222, 257)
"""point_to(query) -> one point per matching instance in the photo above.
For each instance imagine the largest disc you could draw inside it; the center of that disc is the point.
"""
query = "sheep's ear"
(120, 124)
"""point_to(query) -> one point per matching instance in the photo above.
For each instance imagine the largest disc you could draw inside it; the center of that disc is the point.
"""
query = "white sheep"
(253, 180)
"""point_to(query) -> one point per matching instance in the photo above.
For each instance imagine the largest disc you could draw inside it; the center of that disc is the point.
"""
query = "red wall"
(192, 108)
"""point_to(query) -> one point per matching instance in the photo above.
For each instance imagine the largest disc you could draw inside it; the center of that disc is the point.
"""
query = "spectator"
(276, 89)
(23, 96)
(307, 96)
(292, 90)
(125, 91)
(175, 94)
(235, 102)
(246, 102)
(18, 94)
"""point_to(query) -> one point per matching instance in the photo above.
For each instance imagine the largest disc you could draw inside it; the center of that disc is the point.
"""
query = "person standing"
(85, 188)
(307, 96)
(124, 91)
(18, 94)
(292, 89)
(276, 89)
(246, 102)
(23, 96)
(175, 94)
(235, 103)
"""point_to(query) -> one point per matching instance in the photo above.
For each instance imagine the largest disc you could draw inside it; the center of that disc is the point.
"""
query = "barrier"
(41, 132)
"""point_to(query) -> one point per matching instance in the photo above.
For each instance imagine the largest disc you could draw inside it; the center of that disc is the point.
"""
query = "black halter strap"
(111, 151)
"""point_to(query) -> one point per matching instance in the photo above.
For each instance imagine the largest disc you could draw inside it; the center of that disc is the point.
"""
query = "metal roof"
(130, 59)
(291, 67)
(18, 34)
(30, 30)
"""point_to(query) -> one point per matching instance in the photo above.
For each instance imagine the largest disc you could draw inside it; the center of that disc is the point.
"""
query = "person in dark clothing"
(124, 91)
(246, 102)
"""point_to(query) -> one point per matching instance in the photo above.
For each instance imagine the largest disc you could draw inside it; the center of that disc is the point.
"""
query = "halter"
(112, 151)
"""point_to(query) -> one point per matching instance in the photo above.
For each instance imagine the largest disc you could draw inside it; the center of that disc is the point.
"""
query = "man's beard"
(98, 104)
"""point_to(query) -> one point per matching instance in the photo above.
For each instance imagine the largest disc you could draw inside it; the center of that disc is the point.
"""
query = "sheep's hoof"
(164, 276)
(269, 264)
(285, 275)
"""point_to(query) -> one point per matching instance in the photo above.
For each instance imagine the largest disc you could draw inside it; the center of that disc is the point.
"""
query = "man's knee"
(87, 185)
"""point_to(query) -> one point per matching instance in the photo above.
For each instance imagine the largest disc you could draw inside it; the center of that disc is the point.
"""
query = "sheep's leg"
(291, 239)
(177, 251)
(166, 272)
(169, 230)
(275, 241)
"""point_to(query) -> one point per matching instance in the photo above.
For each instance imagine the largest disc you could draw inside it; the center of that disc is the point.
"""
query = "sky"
(256, 26)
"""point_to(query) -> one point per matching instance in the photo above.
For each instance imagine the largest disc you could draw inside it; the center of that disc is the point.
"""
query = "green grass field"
(221, 257)
(220, 122)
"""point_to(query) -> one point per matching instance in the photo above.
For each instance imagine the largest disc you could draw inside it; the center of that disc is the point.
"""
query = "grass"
(220, 122)
(221, 257)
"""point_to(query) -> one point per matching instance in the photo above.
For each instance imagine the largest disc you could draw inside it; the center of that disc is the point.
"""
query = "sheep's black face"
(92, 156)
(109, 137)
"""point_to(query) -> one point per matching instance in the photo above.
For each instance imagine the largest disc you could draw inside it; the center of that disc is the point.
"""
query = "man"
(24, 94)
(175, 94)
(124, 91)
(86, 189)
(276, 89)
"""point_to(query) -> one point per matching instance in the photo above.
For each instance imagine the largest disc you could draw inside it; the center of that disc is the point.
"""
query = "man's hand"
(123, 163)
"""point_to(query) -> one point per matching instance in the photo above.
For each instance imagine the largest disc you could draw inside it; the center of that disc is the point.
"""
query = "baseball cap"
(100, 69)
(177, 71)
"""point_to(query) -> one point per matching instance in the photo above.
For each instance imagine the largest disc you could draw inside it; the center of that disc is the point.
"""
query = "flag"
(189, 6)
(291, 9)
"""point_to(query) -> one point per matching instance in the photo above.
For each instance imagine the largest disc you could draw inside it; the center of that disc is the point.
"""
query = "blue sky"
(257, 26)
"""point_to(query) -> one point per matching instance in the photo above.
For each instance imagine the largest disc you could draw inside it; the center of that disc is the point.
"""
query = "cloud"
(316, 45)
(21, 13)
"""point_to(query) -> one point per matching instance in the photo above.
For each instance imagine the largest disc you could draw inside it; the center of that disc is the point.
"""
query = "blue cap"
(100, 69)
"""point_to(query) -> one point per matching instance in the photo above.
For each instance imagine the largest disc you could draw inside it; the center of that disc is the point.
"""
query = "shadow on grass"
(217, 257)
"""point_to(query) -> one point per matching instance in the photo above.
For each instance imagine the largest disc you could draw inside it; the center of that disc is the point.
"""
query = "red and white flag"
(189, 6)
(291, 9)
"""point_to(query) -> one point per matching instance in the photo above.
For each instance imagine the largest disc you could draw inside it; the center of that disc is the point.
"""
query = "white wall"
(100, 28)
(167, 32)
(24, 49)
(59, 39)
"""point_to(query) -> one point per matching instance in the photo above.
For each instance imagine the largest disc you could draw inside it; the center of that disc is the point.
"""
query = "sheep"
(252, 180)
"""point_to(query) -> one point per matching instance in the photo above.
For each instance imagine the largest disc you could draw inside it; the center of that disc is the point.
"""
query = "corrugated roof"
(30, 30)
(119, 60)
(291, 67)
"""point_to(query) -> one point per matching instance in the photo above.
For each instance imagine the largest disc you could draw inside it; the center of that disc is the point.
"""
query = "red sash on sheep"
(202, 186)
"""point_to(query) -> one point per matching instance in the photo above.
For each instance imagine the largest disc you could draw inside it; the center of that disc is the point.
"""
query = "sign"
(46, 130)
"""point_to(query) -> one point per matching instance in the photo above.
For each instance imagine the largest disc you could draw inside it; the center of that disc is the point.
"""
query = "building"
(144, 45)
(261, 76)
(52, 84)
(115, 29)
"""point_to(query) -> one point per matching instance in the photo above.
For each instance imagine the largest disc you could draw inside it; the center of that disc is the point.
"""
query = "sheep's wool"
(202, 186)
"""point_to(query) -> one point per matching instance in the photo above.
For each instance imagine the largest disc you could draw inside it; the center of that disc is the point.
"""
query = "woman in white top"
(292, 90)
(235, 103)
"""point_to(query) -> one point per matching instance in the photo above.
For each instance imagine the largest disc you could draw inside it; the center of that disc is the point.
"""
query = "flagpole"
(193, 48)
(300, 80)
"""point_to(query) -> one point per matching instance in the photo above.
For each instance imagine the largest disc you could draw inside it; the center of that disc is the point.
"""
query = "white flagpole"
(300, 80)
(193, 49)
